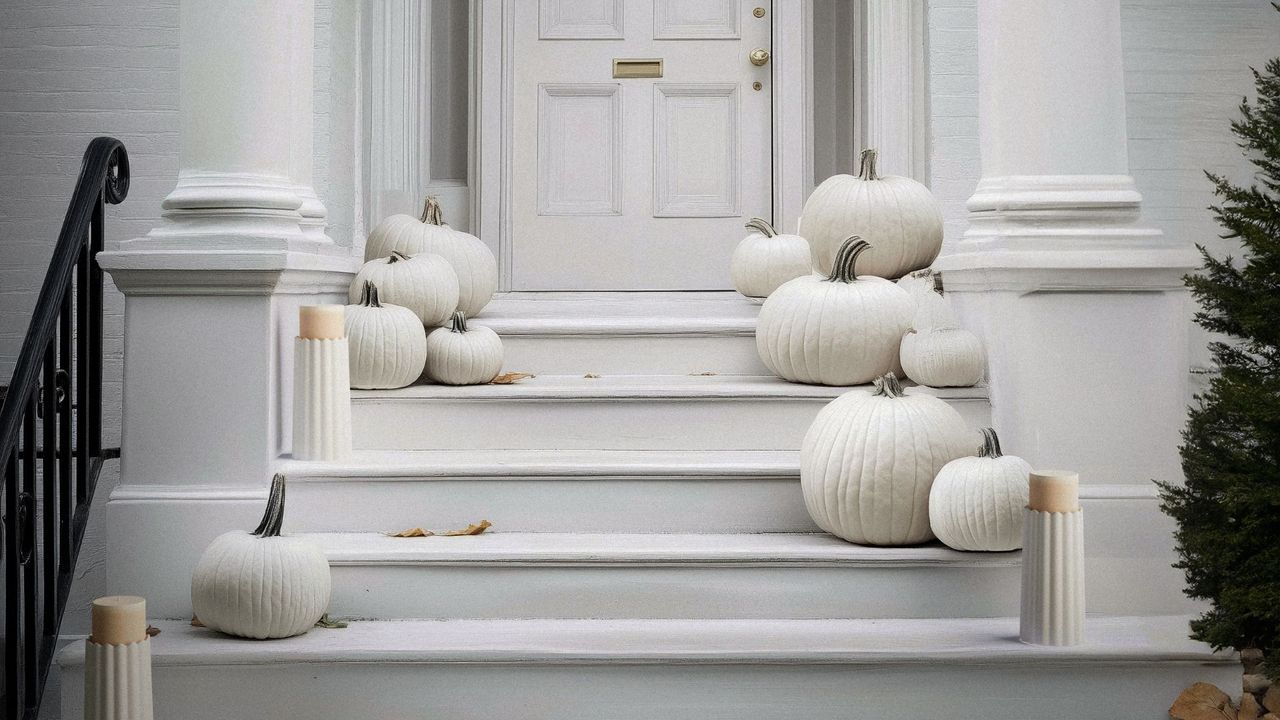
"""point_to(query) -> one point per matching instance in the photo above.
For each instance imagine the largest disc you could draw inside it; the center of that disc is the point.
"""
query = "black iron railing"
(51, 435)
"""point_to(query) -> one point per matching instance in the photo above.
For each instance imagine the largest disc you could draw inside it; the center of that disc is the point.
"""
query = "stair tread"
(391, 464)
(626, 313)
(520, 548)
(698, 387)
(1108, 640)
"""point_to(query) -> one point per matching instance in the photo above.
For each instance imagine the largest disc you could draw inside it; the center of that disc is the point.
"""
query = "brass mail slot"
(637, 67)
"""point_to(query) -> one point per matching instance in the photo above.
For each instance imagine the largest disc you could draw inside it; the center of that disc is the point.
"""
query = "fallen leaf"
(704, 374)
(329, 623)
(412, 532)
(195, 622)
(152, 631)
(511, 378)
(472, 529)
(592, 376)
(1202, 701)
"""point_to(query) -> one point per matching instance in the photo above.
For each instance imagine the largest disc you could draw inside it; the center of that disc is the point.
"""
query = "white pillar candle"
(321, 386)
(1053, 561)
(117, 683)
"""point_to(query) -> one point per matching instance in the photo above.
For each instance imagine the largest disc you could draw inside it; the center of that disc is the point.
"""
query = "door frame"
(492, 99)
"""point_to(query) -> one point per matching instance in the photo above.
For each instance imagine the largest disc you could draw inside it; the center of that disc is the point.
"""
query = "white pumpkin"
(977, 502)
(764, 260)
(869, 459)
(261, 584)
(898, 213)
(425, 283)
(387, 343)
(472, 260)
(841, 329)
(920, 283)
(939, 353)
(459, 354)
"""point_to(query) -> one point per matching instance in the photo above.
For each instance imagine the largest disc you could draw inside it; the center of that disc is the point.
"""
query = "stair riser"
(632, 355)
(511, 591)
(617, 424)
(340, 691)
(699, 505)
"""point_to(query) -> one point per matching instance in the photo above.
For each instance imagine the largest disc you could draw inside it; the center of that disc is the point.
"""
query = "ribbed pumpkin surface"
(977, 503)
(868, 462)
(388, 346)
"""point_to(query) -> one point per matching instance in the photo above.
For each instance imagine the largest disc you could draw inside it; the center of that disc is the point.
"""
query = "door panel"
(637, 183)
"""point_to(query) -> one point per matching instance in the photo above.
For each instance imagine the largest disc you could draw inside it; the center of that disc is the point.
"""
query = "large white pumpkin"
(869, 459)
(425, 283)
(899, 214)
(459, 354)
(841, 329)
(977, 502)
(261, 584)
(764, 260)
(472, 260)
(939, 353)
(387, 343)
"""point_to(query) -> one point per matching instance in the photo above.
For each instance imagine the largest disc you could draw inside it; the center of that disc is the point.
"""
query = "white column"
(211, 294)
(1082, 309)
(895, 122)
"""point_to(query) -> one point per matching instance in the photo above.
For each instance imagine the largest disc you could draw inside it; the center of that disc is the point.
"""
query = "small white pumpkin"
(459, 354)
(387, 343)
(425, 283)
(869, 459)
(939, 353)
(842, 329)
(900, 214)
(473, 262)
(920, 283)
(976, 502)
(764, 260)
(261, 584)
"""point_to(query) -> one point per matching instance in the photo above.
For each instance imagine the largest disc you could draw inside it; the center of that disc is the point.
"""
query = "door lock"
(759, 57)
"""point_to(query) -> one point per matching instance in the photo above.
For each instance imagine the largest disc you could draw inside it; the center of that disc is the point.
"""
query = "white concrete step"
(622, 412)
(699, 669)
(592, 491)
(617, 575)
(673, 333)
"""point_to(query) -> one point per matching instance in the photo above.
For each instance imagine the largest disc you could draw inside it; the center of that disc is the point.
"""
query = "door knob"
(759, 57)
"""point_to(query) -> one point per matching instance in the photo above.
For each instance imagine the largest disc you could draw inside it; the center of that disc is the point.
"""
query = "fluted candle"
(117, 661)
(321, 386)
(1053, 561)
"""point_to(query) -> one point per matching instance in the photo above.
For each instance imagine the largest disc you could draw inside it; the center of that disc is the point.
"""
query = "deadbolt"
(758, 12)
(759, 57)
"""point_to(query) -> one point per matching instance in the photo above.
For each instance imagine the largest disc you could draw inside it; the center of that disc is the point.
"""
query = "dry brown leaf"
(591, 376)
(704, 374)
(511, 378)
(195, 622)
(153, 631)
(1202, 701)
(472, 529)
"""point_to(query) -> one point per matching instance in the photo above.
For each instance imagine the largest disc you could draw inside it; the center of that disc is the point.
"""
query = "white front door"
(637, 183)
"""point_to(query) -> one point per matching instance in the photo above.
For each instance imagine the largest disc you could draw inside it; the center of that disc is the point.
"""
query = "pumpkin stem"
(432, 214)
(867, 165)
(761, 226)
(397, 256)
(273, 516)
(369, 295)
(990, 444)
(937, 283)
(888, 386)
(842, 270)
(458, 323)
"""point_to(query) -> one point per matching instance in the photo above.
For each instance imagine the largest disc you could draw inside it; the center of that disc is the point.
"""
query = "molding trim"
(895, 102)
(229, 273)
(792, 110)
